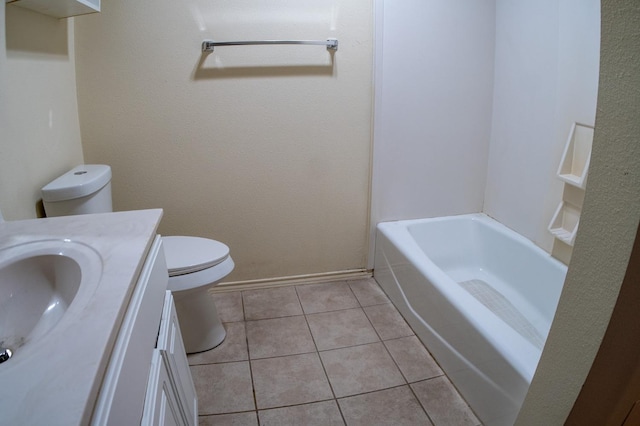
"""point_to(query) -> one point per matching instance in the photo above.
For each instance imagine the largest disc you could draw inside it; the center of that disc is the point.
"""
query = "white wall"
(39, 129)
(546, 77)
(266, 148)
(474, 103)
(434, 88)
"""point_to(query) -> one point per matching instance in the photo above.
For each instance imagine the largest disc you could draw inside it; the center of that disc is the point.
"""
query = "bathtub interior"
(506, 272)
(474, 261)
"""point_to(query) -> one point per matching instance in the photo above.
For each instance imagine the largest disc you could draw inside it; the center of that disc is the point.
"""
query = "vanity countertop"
(61, 388)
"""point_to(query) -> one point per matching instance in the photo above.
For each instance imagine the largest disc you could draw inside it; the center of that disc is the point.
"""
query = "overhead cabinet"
(59, 8)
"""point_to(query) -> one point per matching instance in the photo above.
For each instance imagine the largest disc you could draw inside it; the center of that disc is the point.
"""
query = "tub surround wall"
(474, 102)
(434, 92)
(266, 148)
(40, 132)
(546, 78)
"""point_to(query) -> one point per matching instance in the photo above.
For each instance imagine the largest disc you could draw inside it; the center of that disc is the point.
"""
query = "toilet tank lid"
(78, 182)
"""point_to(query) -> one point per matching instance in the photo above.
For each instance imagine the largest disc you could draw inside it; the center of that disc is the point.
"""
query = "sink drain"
(5, 354)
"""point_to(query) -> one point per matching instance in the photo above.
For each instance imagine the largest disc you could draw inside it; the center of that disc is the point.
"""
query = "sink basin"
(40, 283)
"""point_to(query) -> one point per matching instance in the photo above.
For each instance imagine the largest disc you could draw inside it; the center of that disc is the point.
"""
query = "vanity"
(104, 346)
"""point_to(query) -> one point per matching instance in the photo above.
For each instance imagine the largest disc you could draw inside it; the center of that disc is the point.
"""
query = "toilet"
(194, 264)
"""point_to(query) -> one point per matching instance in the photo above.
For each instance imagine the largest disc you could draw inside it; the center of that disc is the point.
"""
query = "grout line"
(253, 386)
(373, 391)
(421, 405)
(350, 346)
(355, 295)
(244, 314)
(387, 349)
(296, 405)
(319, 357)
(224, 414)
(324, 369)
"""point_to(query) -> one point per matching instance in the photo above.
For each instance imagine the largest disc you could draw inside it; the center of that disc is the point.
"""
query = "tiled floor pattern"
(321, 354)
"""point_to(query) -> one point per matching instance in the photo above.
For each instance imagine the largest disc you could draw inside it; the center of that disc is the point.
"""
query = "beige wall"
(608, 225)
(266, 148)
(39, 130)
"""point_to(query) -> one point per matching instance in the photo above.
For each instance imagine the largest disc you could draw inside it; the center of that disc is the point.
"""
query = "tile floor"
(321, 354)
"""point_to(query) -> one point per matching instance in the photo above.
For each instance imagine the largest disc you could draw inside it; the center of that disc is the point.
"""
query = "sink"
(40, 283)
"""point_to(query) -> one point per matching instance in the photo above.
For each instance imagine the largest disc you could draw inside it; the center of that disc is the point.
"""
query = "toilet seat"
(194, 262)
(186, 255)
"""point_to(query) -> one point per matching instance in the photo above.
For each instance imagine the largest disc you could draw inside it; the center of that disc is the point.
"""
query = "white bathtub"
(489, 344)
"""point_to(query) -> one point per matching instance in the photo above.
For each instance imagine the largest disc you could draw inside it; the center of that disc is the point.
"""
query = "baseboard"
(355, 274)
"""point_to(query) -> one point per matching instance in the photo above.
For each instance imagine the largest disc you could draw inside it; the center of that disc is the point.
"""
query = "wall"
(609, 219)
(434, 91)
(266, 148)
(474, 103)
(546, 77)
(40, 133)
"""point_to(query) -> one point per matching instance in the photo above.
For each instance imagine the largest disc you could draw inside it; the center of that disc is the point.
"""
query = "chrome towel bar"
(208, 45)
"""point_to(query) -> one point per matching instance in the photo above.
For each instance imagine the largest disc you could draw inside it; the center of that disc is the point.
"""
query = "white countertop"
(61, 388)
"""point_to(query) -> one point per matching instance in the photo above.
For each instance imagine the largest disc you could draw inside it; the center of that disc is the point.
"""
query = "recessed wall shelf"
(577, 155)
(564, 224)
(573, 170)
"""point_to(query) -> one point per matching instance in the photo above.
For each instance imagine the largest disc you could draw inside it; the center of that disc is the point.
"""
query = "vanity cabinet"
(162, 405)
(148, 380)
(174, 369)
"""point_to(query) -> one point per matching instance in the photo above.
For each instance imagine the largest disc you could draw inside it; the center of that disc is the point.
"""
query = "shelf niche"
(577, 155)
(564, 224)
(573, 171)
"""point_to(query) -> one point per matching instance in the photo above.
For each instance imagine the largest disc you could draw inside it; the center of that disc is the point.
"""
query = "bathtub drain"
(5, 354)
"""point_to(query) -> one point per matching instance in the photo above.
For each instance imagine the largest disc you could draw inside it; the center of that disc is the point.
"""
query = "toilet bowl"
(194, 264)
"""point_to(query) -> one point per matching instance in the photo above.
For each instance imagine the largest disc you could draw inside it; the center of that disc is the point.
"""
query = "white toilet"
(195, 264)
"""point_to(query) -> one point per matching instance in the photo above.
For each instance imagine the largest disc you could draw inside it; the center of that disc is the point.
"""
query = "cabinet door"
(172, 349)
(121, 397)
(161, 405)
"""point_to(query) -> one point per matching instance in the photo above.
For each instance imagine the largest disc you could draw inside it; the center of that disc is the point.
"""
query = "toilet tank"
(83, 189)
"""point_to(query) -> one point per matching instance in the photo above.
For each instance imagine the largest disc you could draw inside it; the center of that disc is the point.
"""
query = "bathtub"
(481, 298)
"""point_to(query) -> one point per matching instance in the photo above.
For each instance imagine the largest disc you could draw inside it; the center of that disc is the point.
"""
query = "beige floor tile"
(229, 306)
(339, 329)
(443, 403)
(289, 380)
(249, 418)
(233, 347)
(368, 292)
(326, 297)
(396, 406)
(279, 336)
(223, 388)
(413, 359)
(271, 303)
(387, 321)
(360, 369)
(324, 413)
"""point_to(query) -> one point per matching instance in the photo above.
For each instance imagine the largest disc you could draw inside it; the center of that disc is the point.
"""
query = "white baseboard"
(355, 274)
